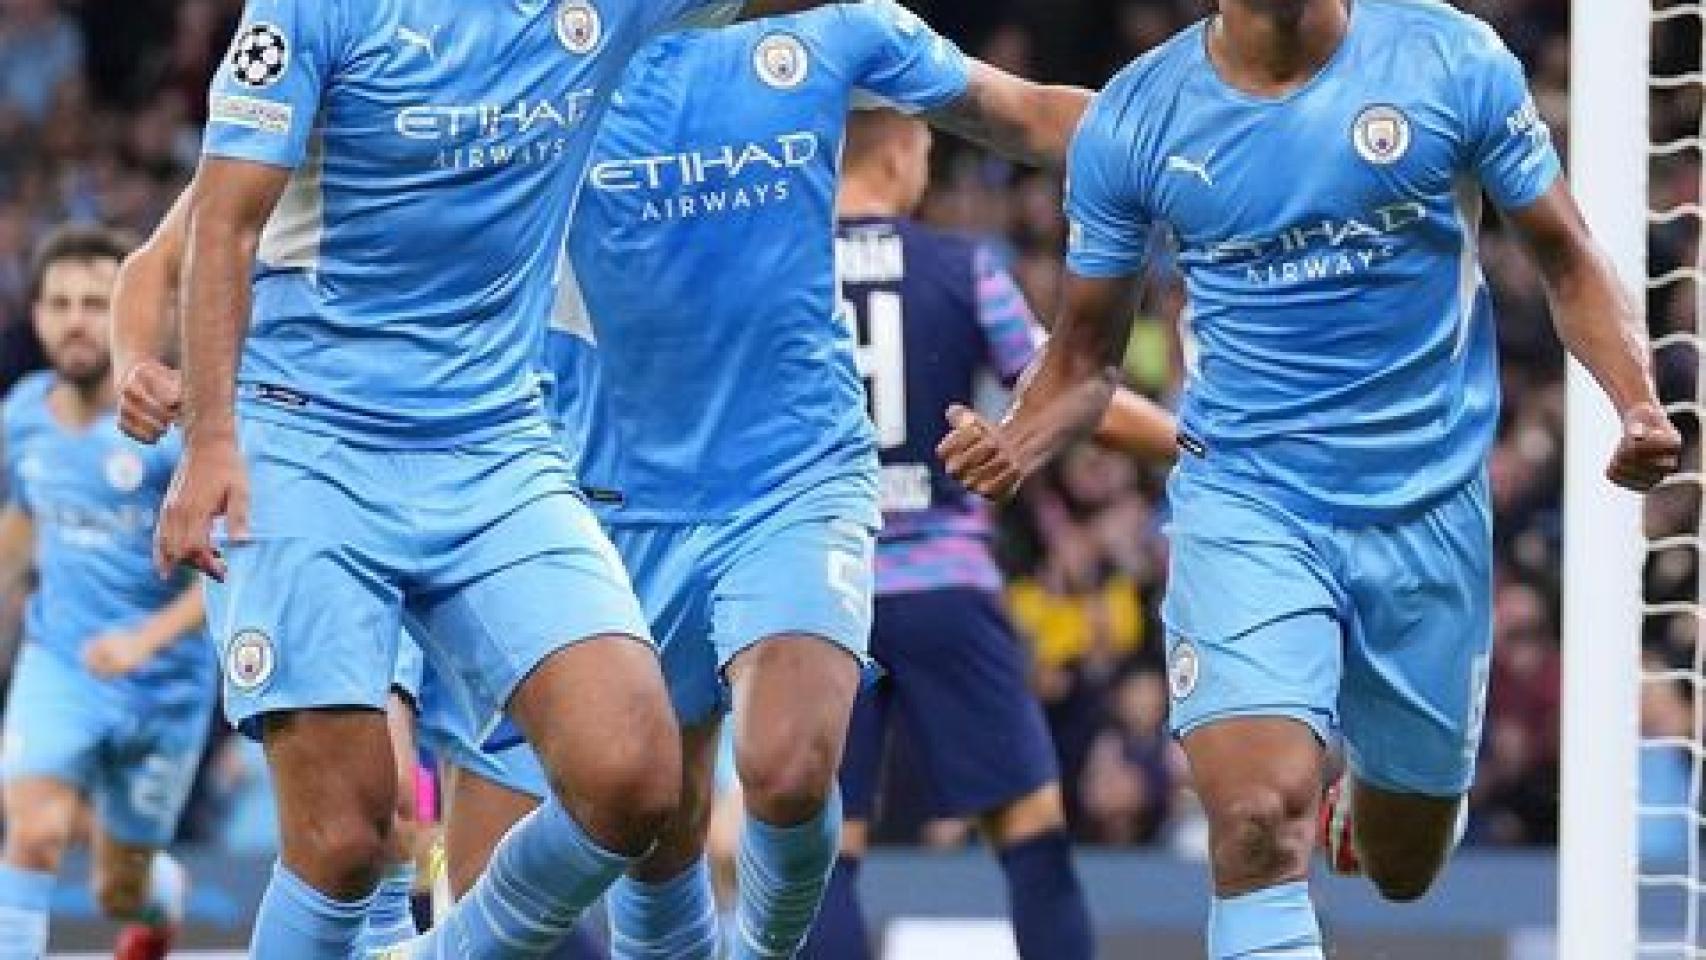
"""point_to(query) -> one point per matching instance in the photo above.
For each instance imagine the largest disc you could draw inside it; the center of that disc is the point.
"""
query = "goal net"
(1631, 880)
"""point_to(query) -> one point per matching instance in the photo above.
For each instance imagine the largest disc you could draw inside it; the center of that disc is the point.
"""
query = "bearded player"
(113, 688)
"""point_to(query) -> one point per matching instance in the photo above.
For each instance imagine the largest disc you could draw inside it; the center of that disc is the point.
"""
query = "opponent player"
(385, 188)
(934, 315)
(114, 684)
(1332, 553)
(729, 450)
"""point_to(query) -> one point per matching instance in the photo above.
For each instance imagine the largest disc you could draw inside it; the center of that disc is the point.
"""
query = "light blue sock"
(782, 872)
(545, 873)
(25, 897)
(298, 922)
(168, 884)
(1277, 923)
(673, 920)
(390, 920)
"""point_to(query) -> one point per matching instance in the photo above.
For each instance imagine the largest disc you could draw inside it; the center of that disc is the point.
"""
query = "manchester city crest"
(579, 27)
(1381, 135)
(782, 61)
(124, 471)
(250, 660)
(1185, 671)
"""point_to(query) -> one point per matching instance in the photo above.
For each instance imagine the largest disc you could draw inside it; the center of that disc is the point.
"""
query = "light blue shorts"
(449, 725)
(713, 590)
(135, 760)
(487, 548)
(1381, 634)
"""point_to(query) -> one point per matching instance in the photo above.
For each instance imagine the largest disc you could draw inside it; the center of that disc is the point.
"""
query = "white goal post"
(1604, 553)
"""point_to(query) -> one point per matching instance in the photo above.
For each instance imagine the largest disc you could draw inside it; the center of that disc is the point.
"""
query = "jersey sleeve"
(908, 66)
(11, 477)
(265, 97)
(1510, 148)
(1108, 226)
(1009, 327)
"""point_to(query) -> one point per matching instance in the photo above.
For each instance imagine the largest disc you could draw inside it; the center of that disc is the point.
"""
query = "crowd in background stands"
(100, 105)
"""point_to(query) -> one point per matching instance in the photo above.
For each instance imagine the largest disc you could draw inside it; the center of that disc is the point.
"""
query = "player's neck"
(78, 405)
(858, 199)
(1270, 48)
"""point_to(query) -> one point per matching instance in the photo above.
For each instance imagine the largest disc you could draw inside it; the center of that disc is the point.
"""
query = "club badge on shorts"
(1185, 670)
(782, 61)
(250, 660)
(1381, 135)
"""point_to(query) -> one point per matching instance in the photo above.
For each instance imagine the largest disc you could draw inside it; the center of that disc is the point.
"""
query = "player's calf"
(1401, 842)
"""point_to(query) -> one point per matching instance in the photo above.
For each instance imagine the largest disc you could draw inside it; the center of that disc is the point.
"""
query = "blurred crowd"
(100, 106)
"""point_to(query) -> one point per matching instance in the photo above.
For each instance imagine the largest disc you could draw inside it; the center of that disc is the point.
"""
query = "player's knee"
(1261, 834)
(629, 795)
(785, 782)
(37, 843)
(348, 852)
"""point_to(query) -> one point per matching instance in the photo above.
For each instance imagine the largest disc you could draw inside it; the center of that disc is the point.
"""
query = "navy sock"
(1050, 917)
(839, 933)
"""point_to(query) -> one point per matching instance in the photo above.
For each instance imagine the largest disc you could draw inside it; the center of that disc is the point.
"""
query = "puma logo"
(426, 42)
(1179, 164)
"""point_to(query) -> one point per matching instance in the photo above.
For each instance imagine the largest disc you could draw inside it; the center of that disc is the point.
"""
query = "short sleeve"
(908, 66)
(1108, 227)
(1510, 148)
(265, 97)
(1009, 327)
(11, 476)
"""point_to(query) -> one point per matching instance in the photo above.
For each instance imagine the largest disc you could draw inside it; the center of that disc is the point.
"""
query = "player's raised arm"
(143, 297)
(1598, 326)
(1028, 122)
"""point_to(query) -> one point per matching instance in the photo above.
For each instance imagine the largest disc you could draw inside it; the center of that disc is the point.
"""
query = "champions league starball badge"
(259, 56)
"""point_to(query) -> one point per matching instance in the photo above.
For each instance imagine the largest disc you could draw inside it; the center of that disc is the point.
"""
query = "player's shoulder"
(1163, 67)
(25, 405)
(1450, 32)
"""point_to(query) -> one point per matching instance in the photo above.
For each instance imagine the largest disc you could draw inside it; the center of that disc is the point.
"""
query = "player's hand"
(116, 654)
(1651, 449)
(149, 400)
(978, 455)
(211, 482)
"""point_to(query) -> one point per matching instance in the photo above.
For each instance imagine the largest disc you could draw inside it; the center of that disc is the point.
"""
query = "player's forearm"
(143, 294)
(173, 622)
(17, 546)
(1030, 123)
(1599, 327)
(1140, 427)
(221, 250)
(1065, 394)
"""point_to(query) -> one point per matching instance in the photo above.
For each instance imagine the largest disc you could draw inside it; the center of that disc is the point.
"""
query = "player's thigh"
(672, 578)
(400, 722)
(481, 809)
(145, 775)
(1417, 660)
(309, 613)
(1259, 779)
(56, 721)
(961, 680)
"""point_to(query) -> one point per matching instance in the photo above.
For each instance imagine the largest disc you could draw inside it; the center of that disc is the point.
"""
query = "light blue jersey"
(704, 249)
(1346, 363)
(94, 497)
(436, 147)
(131, 745)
